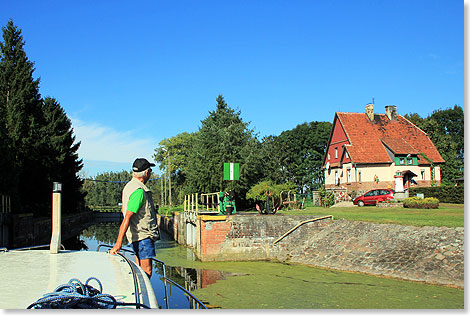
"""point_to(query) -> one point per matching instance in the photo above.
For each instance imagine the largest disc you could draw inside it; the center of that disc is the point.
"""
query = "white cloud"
(102, 143)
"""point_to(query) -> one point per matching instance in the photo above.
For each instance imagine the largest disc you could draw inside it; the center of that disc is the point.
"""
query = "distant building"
(368, 150)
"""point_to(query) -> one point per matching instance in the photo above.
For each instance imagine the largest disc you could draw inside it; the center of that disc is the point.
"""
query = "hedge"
(449, 194)
(426, 203)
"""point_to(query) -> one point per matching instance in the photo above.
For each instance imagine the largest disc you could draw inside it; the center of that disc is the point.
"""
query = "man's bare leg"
(146, 265)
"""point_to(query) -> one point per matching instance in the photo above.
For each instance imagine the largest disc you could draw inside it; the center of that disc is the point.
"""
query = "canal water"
(272, 285)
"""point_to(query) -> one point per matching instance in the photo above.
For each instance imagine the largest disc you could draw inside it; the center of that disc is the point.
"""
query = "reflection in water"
(189, 278)
(75, 243)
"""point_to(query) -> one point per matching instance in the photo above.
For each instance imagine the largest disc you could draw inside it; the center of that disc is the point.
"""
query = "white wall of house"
(384, 172)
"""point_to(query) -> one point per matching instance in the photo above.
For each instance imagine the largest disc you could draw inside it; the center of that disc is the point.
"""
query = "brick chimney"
(370, 111)
(391, 112)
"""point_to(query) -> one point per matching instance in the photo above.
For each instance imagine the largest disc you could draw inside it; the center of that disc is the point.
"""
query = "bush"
(327, 197)
(449, 194)
(258, 192)
(426, 203)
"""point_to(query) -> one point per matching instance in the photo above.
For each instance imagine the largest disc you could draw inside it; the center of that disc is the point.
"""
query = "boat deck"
(27, 275)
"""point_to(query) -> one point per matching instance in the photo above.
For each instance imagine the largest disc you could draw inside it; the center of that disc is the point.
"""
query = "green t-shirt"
(136, 200)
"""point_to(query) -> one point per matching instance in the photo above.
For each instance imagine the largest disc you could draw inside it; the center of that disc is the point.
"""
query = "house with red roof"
(368, 151)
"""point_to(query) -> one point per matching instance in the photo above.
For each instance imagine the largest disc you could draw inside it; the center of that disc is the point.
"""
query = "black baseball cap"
(141, 165)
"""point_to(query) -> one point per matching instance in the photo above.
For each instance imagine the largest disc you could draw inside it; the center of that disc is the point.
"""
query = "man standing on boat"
(140, 221)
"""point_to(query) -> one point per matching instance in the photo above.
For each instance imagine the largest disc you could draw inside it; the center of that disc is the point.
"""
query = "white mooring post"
(56, 217)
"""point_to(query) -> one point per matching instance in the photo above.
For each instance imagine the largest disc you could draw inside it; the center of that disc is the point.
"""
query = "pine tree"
(224, 137)
(20, 106)
(8, 178)
(19, 92)
(36, 133)
(60, 156)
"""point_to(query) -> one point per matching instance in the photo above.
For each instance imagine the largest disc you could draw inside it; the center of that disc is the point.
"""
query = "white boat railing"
(191, 296)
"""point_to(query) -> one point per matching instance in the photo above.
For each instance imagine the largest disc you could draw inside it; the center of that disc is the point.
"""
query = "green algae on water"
(272, 285)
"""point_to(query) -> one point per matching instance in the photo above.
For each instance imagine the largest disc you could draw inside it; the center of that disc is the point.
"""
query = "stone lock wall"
(430, 254)
(248, 237)
(24, 230)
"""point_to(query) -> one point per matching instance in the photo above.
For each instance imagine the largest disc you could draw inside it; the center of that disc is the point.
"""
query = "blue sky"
(130, 74)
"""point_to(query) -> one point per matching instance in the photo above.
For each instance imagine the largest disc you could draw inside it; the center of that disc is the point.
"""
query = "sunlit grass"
(449, 215)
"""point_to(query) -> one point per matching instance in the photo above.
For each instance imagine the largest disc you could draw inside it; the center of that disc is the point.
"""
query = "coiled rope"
(75, 294)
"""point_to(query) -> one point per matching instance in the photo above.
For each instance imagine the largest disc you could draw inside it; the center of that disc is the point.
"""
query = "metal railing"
(193, 298)
(202, 203)
(210, 202)
(136, 285)
(165, 279)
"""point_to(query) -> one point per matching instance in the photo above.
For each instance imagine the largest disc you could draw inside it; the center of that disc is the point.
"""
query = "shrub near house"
(448, 194)
(421, 203)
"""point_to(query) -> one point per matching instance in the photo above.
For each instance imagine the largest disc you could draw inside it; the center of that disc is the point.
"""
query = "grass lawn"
(448, 214)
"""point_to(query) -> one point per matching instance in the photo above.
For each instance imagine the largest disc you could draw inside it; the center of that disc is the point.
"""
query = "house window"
(348, 175)
(359, 176)
(402, 161)
(422, 175)
(410, 161)
(336, 153)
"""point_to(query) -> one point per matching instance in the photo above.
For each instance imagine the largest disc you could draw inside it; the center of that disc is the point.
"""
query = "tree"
(20, 104)
(36, 135)
(60, 156)
(8, 179)
(175, 152)
(223, 137)
(106, 188)
(299, 153)
(446, 130)
(257, 193)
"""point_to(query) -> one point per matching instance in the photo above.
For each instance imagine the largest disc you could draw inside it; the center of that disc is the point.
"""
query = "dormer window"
(406, 160)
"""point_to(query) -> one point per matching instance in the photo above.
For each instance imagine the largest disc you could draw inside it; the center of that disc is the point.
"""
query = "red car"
(373, 196)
